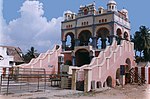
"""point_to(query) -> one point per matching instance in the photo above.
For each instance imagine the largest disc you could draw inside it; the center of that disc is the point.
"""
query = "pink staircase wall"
(48, 61)
(108, 61)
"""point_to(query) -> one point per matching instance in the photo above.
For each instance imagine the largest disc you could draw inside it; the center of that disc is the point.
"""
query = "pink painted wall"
(109, 60)
(48, 61)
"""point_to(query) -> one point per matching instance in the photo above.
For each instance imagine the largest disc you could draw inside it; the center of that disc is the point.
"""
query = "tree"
(142, 42)
(30, 54)
(146, 42)
(138, 43)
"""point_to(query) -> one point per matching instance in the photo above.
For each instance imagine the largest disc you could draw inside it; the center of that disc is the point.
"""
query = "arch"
(82, 57)
(109, 81)
(103, 32)
(70, 42)
(70, 34)
(98, 84)
(128, 66)
(1, 57)
(126, 36)
(118, 76)
(84, 37)
(104, 84)
(119, 36)
(103, 35)
(86, 11)
(119, 33)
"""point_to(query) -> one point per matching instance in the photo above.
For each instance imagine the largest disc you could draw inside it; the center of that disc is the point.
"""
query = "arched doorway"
(119, 35)
(98, 84)
(82, 57)
(109, 81)
(126, 36)
(127, 68)
(85, 38)
(128, 65)
(103, 35)
(70, 42)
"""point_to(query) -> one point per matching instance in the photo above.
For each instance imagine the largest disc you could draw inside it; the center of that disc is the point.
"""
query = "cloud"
(33, 29)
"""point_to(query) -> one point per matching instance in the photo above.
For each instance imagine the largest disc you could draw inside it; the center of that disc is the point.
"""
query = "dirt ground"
(127, 92)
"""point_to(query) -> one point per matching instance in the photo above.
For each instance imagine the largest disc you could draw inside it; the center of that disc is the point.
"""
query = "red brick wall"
(67, 56)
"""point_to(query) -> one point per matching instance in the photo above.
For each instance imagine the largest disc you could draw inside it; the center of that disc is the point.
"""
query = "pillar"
(103, 43)
(87, 79)
(63, 45)
(74, 78)
(77, 42)
(94, 42)
(72, 44)
(111, 39)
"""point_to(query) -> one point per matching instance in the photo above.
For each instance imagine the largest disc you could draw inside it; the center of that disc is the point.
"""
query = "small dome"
(124, 10)
(112, 2)
(68, 12)
(100, 7)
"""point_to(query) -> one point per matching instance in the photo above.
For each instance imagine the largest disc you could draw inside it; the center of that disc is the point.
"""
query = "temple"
(96, 48)
(97, 43)
(86, 34)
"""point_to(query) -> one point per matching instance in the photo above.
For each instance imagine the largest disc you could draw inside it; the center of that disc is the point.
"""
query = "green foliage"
(30, 54)
(142, 43)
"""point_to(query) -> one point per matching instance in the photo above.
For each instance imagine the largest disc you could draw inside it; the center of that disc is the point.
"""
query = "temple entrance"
(82, 57)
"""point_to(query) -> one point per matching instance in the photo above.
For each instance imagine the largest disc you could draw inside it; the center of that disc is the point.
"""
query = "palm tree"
(138, 43)
(146, 40)
(30, 54)
(145, 37)
(142, 42)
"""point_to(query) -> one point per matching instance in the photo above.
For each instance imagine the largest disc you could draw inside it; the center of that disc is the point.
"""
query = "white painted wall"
(6, 60)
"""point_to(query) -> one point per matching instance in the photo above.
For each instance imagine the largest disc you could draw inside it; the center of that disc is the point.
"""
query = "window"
(102, 20)
(105, 20)
(99, 21)
(109, 7)
(99, 12)
(11, 63)
(112, 7)
(82, 23)
(85, 11)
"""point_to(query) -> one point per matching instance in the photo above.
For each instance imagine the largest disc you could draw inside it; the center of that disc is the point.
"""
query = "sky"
(26, 23)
